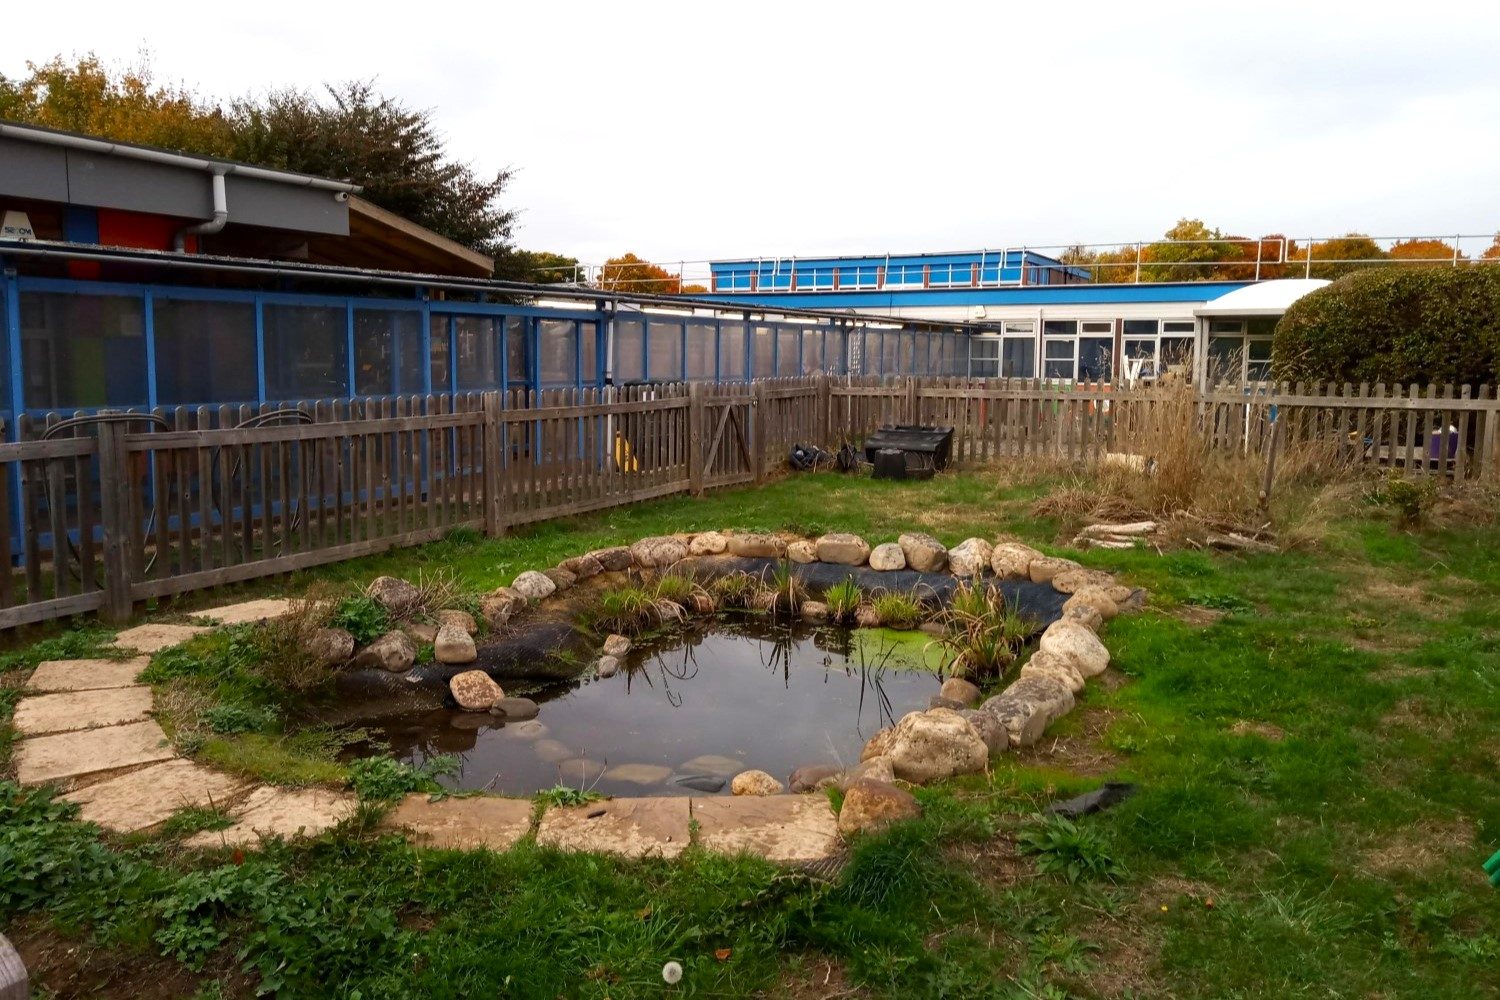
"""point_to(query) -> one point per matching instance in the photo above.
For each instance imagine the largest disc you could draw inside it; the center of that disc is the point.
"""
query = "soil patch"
(817, 979)
(1419, 847)
(1249, 727)
(1081, 750)
(995, 862)
(1196, 615)
(66, 968)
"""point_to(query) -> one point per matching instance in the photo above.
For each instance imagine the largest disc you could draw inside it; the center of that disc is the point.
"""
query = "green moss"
(897, 649)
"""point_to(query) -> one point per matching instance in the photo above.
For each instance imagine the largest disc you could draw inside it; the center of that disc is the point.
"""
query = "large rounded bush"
(1421, 324)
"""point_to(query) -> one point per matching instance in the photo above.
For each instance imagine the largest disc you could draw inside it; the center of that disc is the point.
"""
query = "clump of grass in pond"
(782, 590)
(563, 795)
(383, 779)
(631, 609)
(981, 631)
(843, 599)
(898, 610)
(734, 590)
(681, 590)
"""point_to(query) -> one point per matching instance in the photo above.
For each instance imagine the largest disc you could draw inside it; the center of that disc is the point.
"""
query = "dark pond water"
(688, 712)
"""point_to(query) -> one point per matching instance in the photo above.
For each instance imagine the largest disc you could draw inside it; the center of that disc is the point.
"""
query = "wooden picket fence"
(105, 515)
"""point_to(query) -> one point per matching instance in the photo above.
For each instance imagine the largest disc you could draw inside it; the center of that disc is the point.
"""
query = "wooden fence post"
(820, 418)
(911, 401)
(758, 432)
(695, 438)
(114, 519)
(490, 435)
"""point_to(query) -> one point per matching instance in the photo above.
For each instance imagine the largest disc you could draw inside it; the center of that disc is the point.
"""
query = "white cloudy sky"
(688, 131)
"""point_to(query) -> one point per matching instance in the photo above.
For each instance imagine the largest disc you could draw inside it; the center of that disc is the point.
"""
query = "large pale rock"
(923, 553)
(756, 546)
(393, 651)
(421, 633)
(71, 755)
(155, 637)
(454, 645)
(658, 552)
(865, 616)
(803, 552)
(462, 823)
(1076, 643)
(475, 691)
(843, 548)
(606, 667)
(878, 745)
(247, 612)
(874, 769)
(628, 827)
(330, 646)
(1043, 569)
(784, 829)
(813, 611)
(871, 805)
(935, 744)
(561, 579)
(140, 799)
(616, 645)
(1128, 600)
(639, 774)
(959, 690)
(460, 619)
(280, 812)
(397, 596)
(708, 543)
(1096, 598)
(1045, 664)
(1028, 706)
(1085, 615)
(534, 586)
(754, 783)
(498, 607)
(1073, 580)
(582, 567)
(616, 559)
(970, 557)
(995, 736)
(69, 710)
(85, 675)
(516, 709)
(1012, 560)
(887, 557)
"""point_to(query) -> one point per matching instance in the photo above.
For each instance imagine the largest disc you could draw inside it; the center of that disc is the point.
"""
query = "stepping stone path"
(86, 725)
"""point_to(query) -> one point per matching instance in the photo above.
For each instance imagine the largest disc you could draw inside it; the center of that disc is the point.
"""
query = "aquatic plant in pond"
(897, 610)
(631, 609)
(843, 599)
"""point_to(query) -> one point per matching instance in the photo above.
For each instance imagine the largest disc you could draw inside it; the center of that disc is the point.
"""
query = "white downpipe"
(221, 216)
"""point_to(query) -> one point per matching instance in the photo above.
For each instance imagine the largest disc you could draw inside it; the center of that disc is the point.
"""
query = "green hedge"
(1421, 324)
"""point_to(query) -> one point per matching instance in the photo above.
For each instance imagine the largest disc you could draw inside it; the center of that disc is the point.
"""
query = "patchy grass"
(1315, 750)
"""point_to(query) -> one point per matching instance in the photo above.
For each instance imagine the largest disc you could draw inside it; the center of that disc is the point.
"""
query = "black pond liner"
(552, 649)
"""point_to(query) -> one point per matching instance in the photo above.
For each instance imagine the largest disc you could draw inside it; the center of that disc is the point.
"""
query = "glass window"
(1058, 360)
(701, 350)
(557, 352)
(666, 350)
(387, 351)
(1104, 326)
(1225, 358)
(1095, 358)
(1175, 352)
(1226, 326)
(1060, 328)
(890, 352)
(205, 352)
(517, 352)
(1140, 357)
(438, 360)
(984, 357)
(478, 353)
(307, 352)
(630, 350)
(588, 352)
(835, 351)
(1258, 360)
(765, 352)
(1018, 358)
(788, 350)
(1140, 328)
(812, 350)
(1178, 326)
(731, 351)
(83, 350)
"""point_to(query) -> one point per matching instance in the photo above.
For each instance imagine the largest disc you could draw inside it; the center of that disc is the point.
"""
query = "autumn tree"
(1492, 252)
(1426, 251)
(629, 273)
(1343, 254)
(1190, 252)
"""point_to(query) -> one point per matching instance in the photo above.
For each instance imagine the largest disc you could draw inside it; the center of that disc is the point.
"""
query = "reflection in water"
(698, 706)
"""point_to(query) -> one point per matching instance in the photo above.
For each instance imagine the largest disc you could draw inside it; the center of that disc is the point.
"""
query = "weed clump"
(632, 609)
(1062, 847)
(384, 779)
(897, 610)
(981, 631)
(843, 600)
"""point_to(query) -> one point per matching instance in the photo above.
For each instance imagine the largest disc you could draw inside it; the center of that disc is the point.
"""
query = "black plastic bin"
(926, 449)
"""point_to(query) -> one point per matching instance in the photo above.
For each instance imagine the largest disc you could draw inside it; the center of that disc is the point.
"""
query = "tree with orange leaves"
(629, 273)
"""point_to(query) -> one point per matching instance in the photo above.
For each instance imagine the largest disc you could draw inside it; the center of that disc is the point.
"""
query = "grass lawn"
(1315, 735)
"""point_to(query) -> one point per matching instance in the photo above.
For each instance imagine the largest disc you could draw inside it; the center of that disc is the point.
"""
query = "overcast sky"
(690, 131)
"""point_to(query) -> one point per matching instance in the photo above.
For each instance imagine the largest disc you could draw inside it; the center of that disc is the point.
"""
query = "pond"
(687, 712)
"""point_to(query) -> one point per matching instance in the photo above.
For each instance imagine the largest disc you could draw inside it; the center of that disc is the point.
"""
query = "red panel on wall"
(140, 231)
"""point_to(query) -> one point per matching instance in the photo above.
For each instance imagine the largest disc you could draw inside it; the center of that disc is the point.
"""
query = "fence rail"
(131, 509)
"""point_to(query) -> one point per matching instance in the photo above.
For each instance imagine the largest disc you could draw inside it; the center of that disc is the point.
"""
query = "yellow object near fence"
(624, 456)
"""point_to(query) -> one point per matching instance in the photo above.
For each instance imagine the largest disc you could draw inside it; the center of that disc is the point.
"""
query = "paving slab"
(149, 796)
(785, 828)
(150, 639)
(71, 755)
(86, 675)
(632, 828)
(463, 823)
(69, 710)
(247, 611)
(281, 812)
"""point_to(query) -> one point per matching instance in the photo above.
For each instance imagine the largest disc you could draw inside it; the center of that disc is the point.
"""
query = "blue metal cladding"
(828, 274)
(1039, 295)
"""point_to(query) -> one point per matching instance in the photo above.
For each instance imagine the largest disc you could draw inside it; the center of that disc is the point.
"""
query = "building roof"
(1268, 298)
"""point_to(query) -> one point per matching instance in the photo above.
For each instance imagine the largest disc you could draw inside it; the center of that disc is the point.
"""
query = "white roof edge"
(1265, 298)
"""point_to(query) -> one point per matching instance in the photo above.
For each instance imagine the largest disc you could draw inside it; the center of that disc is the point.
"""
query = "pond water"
(686, 713)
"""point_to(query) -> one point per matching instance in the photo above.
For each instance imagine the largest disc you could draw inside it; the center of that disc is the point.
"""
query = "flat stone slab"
(782, 828)
(149, 796)
(463, 823)
(279, 812)
(631, 828)
(247, 611)
(150, 639)
(70, 710)
(86, 675)
(71, 755)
